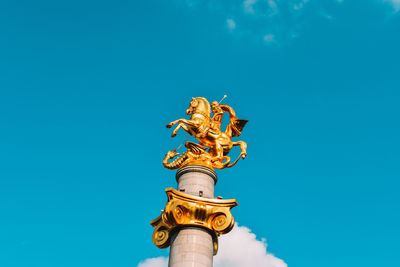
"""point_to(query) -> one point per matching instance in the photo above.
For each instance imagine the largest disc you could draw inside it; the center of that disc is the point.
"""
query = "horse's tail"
(233, 164)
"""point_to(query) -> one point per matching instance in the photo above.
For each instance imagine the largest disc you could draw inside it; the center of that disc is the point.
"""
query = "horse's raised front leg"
(182, 123)
(185, 121)
(188, 129)
(175, 131)
(172, 123)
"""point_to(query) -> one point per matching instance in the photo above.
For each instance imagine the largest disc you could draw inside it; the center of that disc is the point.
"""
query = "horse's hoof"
(173, 135)
(244, 155)
(169, 125)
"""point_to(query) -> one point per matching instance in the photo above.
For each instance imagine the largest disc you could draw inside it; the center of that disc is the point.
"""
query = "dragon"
(195, 153)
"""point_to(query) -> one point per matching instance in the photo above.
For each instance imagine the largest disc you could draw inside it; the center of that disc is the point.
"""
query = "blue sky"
(87, 87)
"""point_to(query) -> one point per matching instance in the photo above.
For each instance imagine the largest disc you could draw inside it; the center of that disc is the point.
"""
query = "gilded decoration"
(186, 210)
(214, 144)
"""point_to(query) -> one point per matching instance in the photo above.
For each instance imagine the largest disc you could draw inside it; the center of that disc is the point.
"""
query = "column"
(193, 246)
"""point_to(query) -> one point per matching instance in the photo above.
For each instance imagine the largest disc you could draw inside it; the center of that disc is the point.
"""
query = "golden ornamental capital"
(186, 210)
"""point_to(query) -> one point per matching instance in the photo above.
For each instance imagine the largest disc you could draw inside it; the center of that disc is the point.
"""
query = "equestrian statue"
(214, 145)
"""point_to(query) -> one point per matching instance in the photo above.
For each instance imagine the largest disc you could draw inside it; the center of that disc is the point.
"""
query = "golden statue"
(214, 144)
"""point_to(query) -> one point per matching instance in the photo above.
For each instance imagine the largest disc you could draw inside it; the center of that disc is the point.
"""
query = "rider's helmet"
(214, 104)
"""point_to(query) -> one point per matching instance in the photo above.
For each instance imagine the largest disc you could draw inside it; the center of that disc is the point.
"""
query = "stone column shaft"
(192, 246)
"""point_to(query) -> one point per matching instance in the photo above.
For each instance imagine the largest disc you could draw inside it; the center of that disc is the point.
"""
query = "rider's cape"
(236, 124)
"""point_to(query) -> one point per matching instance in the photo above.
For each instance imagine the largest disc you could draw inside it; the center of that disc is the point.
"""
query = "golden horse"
(220, 143)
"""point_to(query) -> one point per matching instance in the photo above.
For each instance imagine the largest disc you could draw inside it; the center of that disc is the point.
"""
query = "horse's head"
(199, 105)
(192, 106)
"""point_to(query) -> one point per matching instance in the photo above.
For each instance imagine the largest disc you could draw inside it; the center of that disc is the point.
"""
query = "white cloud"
(241, 248)
(154, 262)
(394, 3)
(231, 24)
(273, 6)
(284, 19)
(300, 5)
(258, 16)
(249, 5)
(269, 38)
(238, 248)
